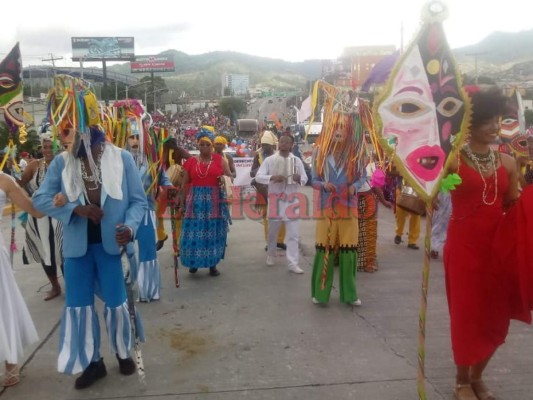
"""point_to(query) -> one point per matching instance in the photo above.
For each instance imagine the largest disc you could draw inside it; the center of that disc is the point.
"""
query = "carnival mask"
(11, 101)
(513, 125)
(423, 107)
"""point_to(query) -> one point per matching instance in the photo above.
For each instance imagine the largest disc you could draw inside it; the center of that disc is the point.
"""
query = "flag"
(381, 71)
(305, 110)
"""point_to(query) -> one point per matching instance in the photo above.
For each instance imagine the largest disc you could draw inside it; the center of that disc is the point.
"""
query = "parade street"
(254, 333)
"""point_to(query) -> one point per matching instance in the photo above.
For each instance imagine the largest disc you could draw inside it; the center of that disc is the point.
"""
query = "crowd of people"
(99, 199)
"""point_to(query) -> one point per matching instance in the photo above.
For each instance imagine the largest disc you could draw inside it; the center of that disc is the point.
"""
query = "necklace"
(203, 174)
(476, 161)
(95, 177)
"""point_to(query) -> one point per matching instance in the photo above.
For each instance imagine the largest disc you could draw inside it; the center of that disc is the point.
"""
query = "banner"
(243, 166)
(103, 48)
(143, 64)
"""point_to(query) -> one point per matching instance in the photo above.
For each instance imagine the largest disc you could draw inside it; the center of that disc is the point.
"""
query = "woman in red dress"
(479, 319)
(206, 216)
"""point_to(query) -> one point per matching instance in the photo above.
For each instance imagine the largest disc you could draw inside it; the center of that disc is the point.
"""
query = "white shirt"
(280, 195)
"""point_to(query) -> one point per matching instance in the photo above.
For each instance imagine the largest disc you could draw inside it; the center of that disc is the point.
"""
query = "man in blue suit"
(105, 203)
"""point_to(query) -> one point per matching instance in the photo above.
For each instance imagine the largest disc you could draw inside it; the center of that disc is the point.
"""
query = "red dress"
(479, 319)
(513, 249)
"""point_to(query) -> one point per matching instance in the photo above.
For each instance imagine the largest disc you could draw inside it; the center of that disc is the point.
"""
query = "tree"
(232, 107)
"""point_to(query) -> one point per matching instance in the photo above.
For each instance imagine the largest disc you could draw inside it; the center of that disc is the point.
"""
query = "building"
(352, 68)
(235, 84)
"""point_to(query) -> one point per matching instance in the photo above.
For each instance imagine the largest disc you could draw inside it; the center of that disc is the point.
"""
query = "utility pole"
(53, 59)
(475, 55)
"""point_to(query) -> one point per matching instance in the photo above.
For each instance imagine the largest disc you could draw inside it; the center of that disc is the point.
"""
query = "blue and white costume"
(149, 278)
(93, 266)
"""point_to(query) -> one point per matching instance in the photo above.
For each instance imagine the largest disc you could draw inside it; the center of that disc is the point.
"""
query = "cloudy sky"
(293, 30)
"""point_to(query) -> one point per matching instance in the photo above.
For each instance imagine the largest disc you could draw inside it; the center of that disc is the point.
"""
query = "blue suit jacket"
(128, 211)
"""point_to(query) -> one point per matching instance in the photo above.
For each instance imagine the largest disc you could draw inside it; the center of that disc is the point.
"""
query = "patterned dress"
(205, 222)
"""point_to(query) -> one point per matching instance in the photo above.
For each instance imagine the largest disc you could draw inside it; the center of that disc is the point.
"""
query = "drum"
(175, 174)
(409, 201)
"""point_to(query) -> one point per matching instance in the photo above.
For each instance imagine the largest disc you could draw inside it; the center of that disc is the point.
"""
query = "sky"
(292, 30)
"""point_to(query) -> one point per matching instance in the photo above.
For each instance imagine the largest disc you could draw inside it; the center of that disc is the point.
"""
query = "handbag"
(409, 201)
(226, 185)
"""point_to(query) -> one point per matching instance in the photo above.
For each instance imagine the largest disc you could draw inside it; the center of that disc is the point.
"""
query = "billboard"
(103, 48)
(152, 64)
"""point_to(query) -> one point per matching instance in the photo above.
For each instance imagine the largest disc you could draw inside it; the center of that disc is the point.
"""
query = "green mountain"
(203, 73)
(501, 55)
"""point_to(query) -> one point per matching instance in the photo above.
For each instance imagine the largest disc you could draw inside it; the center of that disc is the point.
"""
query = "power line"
(53, 59)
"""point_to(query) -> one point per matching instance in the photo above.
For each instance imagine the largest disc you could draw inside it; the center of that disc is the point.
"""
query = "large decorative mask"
(421, 113)
(513, 126)
(11, 101)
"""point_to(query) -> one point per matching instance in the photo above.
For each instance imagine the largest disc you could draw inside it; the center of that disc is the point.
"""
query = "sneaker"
(126, 365)
(397, 239)
(356, 303)
(269, 261)
(296, 270)
(281, 246)
(413, 246)
(315, 301)
(92, 373)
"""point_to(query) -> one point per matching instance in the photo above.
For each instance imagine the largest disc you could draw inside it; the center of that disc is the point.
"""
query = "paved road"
(253, 333)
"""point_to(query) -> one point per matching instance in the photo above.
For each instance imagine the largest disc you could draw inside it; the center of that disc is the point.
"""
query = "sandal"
(12, 376)
(464, 391)
(481, 390)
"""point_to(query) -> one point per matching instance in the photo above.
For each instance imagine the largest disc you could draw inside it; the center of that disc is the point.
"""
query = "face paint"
(423, 111)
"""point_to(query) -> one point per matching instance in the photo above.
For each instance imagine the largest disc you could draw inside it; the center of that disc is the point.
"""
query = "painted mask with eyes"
(11, 104)
(513, 126)
(423, 110)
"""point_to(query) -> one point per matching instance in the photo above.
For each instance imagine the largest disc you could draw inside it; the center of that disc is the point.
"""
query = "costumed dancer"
(44, 236)
(338, 172)
(368, 195)
(268, 145)
(143, 147)
(105, 205)
(283, 172)
(475, 286)
(16, 326)
(173, 158)
(205, 210)
(220, 144)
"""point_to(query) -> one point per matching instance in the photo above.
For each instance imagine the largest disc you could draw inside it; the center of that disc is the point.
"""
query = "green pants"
(322, 279)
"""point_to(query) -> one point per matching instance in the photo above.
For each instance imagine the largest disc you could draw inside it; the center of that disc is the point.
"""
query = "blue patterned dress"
(205, 223)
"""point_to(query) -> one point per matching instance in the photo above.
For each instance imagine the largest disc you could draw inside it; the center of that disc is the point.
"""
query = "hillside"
(203, 72)
(500, 55)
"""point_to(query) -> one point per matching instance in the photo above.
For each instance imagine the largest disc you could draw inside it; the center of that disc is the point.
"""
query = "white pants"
(291, 238)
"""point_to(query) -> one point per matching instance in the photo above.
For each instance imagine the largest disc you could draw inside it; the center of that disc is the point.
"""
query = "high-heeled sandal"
(464, 391)
(481, 390)
(12, 376)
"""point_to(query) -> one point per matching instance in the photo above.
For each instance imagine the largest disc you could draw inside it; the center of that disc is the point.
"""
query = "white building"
(235, 84)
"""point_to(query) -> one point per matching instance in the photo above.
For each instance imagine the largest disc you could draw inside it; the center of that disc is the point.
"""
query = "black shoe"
(214, 271)
(92, 373)
(397, 239)
(125, 365)
(266, 247)
(413, 246)
(281, 246)
(193, 270)
(160, 243)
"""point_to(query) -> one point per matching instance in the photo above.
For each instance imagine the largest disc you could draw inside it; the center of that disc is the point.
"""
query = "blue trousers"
(79, 342)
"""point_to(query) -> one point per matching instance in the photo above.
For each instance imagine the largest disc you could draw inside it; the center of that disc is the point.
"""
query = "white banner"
(243, 166)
